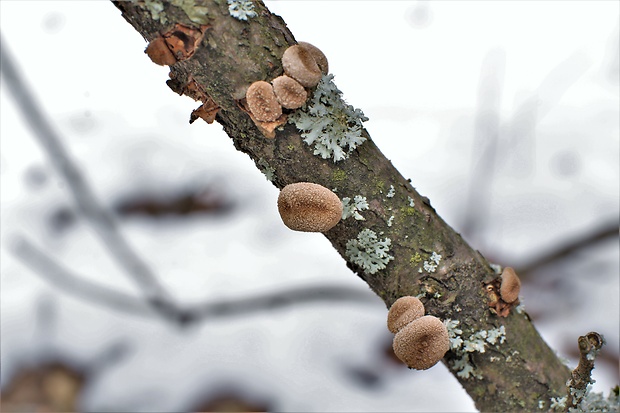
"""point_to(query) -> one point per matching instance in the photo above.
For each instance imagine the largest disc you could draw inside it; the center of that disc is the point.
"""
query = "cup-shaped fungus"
(422, 343)
(319, 56)
(511, 285)
(404, 311)
(289, 92)
(299, 64)
(309, 207)
(262, 102)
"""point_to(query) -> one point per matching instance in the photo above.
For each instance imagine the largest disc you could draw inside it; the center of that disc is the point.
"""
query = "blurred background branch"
(79, 286)
(84, 197)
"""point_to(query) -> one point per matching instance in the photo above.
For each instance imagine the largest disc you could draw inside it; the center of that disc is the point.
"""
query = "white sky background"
(414, 68)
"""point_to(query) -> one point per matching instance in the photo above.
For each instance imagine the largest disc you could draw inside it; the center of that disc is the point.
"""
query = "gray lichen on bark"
(514, 375)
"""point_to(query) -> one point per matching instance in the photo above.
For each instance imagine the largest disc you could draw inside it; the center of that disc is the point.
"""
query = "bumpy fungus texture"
(309, 207)
(404, 310)
(511, 285)
(299, 64)
(262, 102)
(422, 343)
(289, 92)
(319, 56)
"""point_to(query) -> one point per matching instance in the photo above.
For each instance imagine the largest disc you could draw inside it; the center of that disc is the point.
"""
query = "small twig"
(100, 218)
(589, 346)
(60, 277)
(603, 232)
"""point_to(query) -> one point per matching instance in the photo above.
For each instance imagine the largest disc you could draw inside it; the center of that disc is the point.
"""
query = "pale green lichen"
(352, 208)
(477, 342)
(267, 170)
(328, 124)
(193, 9)
(241, 9)
(431, 266)
(155, 7)
(368, 251)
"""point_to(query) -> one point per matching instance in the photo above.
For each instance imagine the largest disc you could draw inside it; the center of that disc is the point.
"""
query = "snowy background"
(505, 114)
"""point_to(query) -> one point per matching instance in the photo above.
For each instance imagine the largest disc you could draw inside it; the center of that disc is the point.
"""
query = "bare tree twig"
(589, 346)
(63, 278)
(99, 217)
(603, 232)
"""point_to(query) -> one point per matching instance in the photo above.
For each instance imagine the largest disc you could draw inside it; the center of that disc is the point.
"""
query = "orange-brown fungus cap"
(422, 343)
(403, 311)
(319, 56)
(509, 289)
(289, 92)
(159, 52)
(309, 207)
(299, 64)
(262, 102)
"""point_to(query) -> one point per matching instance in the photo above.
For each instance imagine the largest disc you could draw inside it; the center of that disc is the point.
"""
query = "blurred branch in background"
(486, 135)
(99, 218)
(603, 232)
(61, 277)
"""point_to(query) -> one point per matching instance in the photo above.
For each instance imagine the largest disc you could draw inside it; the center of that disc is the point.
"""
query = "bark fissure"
(231, 56)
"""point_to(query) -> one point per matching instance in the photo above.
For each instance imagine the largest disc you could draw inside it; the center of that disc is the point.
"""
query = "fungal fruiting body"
(510, 286)
(404, 310)
(289, 92)
(503, 292)
(318, 55)
(262, 102)
(299, 64)
(309, 207)
(422, 343)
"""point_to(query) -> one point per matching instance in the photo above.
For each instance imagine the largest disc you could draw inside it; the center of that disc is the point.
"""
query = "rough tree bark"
(512, 376)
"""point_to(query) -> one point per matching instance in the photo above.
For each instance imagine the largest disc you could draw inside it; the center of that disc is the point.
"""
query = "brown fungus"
(403, 311)
(262, 102)
(159, 53)
(289, 92)
(422, 343)
(510, 286)
(309, 207)
(299, 64)
(319, 56)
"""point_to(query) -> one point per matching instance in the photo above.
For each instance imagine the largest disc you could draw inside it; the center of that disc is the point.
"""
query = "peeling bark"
(514, 375)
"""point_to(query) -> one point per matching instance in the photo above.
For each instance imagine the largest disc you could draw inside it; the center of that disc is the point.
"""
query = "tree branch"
(581, 377)
(229, 56)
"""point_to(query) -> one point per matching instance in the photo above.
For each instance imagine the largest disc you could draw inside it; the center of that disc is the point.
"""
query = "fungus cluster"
(420, 340)
(504, 292)
(309, 207)
(304, 65)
